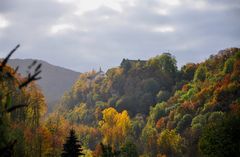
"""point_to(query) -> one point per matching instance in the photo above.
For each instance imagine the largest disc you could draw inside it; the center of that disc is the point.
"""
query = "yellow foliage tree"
(114, 126)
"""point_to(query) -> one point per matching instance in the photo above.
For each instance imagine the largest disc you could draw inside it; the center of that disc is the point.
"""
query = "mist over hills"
(55, 80)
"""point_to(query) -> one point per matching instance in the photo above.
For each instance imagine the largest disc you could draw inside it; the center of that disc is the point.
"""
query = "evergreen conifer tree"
(72, 147)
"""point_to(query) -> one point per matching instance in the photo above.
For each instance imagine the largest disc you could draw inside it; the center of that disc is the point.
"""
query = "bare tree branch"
(8, 57)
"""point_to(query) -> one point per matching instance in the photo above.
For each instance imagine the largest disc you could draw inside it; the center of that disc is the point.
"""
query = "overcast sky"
(86, 34)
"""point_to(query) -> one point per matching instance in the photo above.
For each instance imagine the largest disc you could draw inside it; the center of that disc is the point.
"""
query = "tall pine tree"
(72, 147)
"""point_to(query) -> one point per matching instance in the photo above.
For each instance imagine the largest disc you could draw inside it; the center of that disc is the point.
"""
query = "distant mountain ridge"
(55, 80)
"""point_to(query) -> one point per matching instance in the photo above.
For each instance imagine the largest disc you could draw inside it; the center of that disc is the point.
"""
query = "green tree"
(149, 140)
(200, 73)
(138, 123)
(72, 148)
(184, 123)
(188, 70)
(170, 143)
(129, 149)
(228, 66)
(156, 113)
(163, 95)
(166, 62)
(107, 151)
(150, 85)
(222, 138)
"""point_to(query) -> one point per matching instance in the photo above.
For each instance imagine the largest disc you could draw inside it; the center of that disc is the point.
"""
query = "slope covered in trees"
(154, 108)
(141, 108)
(134, 86)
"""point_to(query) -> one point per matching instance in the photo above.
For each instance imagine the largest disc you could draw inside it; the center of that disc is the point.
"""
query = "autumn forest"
(142, 108)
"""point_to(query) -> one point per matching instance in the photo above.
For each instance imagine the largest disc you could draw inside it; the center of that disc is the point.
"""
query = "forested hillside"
(141, 108)
(151, 108)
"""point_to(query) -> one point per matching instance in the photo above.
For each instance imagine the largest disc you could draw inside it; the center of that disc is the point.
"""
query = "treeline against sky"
(141, 108)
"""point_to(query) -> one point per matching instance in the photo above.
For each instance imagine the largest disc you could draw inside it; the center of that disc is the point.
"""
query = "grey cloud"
(104, 36)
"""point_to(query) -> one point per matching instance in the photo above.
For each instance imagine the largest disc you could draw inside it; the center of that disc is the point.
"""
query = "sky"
(87, 34)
